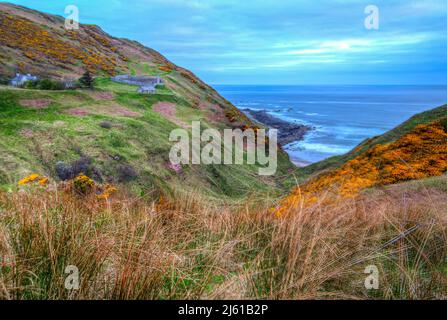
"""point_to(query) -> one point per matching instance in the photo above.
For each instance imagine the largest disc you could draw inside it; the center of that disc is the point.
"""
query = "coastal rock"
(287, 132)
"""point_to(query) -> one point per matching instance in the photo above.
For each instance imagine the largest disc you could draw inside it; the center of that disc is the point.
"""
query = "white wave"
(250, 108)
(318, 147)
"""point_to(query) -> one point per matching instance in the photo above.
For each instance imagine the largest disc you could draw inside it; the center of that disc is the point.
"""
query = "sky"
(283, 42)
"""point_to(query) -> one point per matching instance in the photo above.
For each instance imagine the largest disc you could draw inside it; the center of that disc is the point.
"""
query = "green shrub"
(4, 80)
(86, 80)
(44, 84)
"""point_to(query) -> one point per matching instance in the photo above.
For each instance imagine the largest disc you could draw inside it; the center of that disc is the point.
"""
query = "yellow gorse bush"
(43, 181)
(108, 191)
(421, 153)
(38, 44)
(82, 184)
(35, 177)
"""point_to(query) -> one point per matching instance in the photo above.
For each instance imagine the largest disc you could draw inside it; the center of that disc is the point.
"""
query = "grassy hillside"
(123, 138)
(37, 43)
(114, 133)
(426, 117)
(417, 149)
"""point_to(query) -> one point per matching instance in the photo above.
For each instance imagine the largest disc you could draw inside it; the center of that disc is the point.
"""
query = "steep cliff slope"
(112, 132)
(426, 117)
(37, 43)
(416, 149)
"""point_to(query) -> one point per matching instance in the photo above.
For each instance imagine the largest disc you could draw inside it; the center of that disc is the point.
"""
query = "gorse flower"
(31, 178)
(108, 191)
(43, 181)
(83, 184)
(37, 43)
(35, 177)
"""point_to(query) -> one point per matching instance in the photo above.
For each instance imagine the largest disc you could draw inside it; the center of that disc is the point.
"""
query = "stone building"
(147, 84)
(147, 89)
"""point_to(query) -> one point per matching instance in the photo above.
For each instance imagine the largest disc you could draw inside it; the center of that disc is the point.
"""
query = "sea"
(342, 116)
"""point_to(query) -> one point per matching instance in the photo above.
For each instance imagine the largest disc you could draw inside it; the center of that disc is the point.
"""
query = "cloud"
(290, 39)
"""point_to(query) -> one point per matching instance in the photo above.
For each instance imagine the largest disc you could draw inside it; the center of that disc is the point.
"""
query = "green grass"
(141, 142)
(106, 84)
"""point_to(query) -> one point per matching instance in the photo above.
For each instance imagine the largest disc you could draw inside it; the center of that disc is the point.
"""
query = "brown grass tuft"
(191, 248)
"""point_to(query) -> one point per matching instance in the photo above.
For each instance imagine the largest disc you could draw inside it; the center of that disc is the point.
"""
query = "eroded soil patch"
(167, 110)
(35, 103)
(115, 110)
(108, 96)
(79, 112)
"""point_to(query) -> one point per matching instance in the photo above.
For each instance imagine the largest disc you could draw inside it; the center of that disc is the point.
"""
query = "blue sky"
(281, 42)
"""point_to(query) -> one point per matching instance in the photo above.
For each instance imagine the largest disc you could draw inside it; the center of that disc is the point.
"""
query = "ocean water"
(343, 116)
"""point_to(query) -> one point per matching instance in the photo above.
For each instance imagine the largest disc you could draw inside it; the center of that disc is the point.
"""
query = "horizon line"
(324, 84)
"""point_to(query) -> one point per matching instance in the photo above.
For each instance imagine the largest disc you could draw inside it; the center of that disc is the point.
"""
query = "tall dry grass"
(129, 248)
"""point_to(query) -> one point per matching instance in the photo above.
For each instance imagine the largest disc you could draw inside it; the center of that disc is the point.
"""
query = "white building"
(20, 79)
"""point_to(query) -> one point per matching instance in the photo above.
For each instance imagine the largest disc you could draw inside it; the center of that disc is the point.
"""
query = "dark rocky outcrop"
(287, 132)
